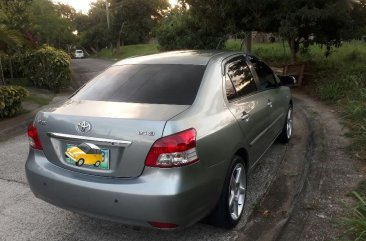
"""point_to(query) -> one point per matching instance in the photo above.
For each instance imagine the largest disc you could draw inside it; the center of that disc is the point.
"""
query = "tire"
(80, 162)
(287, 129)
(232, 201)
(97, 164)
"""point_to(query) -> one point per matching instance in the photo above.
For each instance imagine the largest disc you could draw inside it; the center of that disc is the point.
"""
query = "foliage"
(47, 68)
(131, 22)
(9, 38)
(196, 25)
(39, 21)
(15, 14)
(53, 23)
(10, 100)
(299, 22)
(182, 30)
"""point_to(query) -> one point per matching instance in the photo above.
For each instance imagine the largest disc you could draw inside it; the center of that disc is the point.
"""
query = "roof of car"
(92, 146)
(192, 57)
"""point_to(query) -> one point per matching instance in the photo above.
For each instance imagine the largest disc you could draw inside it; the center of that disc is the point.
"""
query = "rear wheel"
(287, 130)
(80, 162)
(230, 207)
(97, 164)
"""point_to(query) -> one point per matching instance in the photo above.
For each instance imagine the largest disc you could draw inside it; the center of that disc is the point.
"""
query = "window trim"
(257, 77)
(232, 60)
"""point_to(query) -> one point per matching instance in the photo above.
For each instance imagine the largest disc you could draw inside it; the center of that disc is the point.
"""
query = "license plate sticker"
(87, 155)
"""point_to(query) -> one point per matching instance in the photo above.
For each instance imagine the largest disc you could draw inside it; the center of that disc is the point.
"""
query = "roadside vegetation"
(339, 80)
(128, 51)
(356, 222)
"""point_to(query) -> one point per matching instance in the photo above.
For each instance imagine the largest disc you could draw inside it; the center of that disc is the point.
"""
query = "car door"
(247, 104)
(276, 100)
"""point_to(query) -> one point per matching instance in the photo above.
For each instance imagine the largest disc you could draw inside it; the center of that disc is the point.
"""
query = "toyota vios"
(178, 132)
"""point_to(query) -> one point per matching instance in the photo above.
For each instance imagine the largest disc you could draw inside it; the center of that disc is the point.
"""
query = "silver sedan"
(161, 141)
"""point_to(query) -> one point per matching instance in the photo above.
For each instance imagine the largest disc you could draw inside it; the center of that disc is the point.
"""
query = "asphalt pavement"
(84, 70)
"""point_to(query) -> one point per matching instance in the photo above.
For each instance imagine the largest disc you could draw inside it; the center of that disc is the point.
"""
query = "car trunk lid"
(124, 132)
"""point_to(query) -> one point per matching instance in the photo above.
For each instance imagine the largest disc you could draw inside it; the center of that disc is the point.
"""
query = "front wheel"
(80, 162)
(230, 207)
(287, 130)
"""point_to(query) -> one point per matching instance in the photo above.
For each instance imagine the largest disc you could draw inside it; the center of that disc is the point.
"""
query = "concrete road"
(24, 217)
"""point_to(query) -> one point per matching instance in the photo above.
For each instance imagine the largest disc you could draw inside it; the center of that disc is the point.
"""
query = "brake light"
(33, 137)
(173, 151)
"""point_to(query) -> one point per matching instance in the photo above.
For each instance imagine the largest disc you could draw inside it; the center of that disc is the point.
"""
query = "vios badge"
(83, 127)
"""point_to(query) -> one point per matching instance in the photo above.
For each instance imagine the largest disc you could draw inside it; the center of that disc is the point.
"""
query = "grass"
(274, 53)
(356, 222)
(128, 51)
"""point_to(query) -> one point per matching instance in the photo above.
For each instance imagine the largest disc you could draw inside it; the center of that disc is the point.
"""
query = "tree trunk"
(293, 48)
(93, 49)
(120, 41)
(2, 73)
(11, 68)
(248, 42)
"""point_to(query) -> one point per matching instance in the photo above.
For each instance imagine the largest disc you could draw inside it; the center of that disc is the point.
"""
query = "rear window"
(79, 51)
(153, 84)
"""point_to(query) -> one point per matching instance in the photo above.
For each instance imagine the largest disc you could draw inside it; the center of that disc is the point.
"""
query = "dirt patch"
(310, 194)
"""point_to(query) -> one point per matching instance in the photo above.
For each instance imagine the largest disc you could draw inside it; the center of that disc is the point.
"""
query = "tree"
(53, 23)
(132, 22)
(294, 20)
(15, 14)
(195, 24)
(92, 28)
(8, 39)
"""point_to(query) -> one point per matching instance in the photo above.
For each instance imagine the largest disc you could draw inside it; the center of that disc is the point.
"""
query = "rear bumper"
(180, 196)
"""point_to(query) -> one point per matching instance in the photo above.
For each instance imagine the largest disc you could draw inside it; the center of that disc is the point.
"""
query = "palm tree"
(8, 39)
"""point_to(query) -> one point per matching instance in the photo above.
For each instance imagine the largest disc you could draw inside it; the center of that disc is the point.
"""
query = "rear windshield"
(153, 84)
(79, 51)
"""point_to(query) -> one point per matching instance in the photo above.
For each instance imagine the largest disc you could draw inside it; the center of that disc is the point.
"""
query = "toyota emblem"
(83, 127)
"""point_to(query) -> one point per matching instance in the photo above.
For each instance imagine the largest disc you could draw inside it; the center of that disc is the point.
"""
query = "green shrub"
(47, 68)
(10, 100)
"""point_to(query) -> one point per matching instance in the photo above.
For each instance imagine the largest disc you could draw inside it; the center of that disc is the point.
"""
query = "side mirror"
(287, 80)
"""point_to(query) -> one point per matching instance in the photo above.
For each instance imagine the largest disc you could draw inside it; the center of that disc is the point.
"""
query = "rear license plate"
(87, 155)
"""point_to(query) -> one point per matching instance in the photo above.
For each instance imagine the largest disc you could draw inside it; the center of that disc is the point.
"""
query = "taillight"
(33, 137)
(173, 151)
(163, 225)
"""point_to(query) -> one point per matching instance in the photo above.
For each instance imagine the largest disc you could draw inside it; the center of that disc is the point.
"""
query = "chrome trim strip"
(103, 141)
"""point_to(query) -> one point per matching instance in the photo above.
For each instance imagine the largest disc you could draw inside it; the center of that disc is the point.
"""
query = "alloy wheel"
(237, 191)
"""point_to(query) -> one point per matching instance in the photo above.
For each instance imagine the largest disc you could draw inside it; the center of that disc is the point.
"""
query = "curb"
(19, 124)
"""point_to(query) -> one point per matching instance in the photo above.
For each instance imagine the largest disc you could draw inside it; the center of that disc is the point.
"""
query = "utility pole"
(248, 42)
(107, 11)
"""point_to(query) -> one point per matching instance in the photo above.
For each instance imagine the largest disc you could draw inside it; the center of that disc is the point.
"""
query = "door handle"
(269, 103)
(245, 116)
